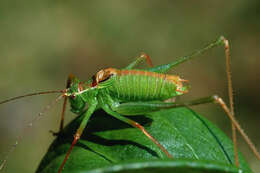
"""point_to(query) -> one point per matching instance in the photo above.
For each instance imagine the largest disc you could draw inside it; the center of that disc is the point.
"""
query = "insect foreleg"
(68, 83)
(140, 59)
(167, 67)
(80, 130)
(136, 125)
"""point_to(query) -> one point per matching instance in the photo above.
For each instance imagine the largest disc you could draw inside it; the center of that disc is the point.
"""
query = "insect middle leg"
(136, 125)
(141, 58)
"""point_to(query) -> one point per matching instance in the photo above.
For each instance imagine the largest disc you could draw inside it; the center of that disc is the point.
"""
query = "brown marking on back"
(105, 74)
(183, 92)
(166, 77)
(171, 78)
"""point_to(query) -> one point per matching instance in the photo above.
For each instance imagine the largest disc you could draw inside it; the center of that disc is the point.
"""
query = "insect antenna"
(29, 125)
(31, 94)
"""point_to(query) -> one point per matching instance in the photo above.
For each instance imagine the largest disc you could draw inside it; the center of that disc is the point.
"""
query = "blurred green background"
(42, 42)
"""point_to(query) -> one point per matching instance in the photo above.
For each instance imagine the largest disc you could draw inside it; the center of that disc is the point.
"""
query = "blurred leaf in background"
(42, 42)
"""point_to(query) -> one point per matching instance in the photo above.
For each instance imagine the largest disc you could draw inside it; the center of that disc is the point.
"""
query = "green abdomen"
(136, 87)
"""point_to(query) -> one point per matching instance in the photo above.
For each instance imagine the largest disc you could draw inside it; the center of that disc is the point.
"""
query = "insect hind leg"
(141, 58)
(167, 67)
(212, 99)
(220, 41)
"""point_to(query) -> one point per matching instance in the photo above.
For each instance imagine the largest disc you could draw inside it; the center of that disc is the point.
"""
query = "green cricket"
(130, 91)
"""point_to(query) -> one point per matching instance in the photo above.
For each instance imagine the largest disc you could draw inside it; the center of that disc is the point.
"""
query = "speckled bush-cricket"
(131, 91)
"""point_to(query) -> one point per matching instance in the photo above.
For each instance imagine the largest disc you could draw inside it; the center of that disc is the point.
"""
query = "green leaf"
(109, 145)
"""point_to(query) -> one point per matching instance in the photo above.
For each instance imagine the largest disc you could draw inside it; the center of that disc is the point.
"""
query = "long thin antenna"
(31, 94)
(40, 115)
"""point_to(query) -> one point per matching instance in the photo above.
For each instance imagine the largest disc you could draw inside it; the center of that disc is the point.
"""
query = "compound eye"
(73, 96)
(94, 81)
(93, 77)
